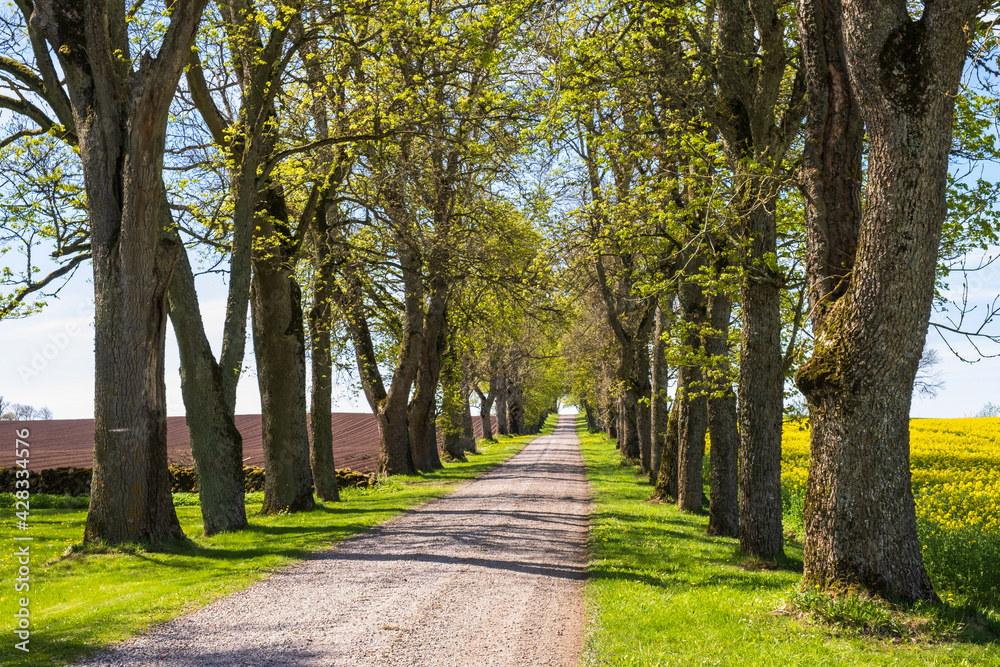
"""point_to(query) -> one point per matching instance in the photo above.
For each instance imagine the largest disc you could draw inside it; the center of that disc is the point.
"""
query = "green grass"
(85, 601)
(662, 592)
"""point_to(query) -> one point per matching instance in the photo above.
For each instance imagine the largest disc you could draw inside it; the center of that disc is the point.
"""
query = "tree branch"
(23, 293)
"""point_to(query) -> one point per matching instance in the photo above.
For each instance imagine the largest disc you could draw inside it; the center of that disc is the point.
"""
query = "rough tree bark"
(216, 444)
(723, 513)
(468, 432)
(693, 415)
(644, 386)
(279, 348)
(515, 408)
(423, 434)
(121, 116)
(324, 470)
(628, 425)
(611, 423)
(450, 419)
(658, 395)
(667, 477)
(485, 407)
(754, 58)
(903, 75)
(503, 424)
(591, 418)
(761, 391)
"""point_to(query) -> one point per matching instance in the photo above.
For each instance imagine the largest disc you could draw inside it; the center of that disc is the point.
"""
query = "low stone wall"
(76, 481)
(55, 481)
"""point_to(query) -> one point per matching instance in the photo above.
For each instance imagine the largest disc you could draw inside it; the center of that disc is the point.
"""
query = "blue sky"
(48, 359)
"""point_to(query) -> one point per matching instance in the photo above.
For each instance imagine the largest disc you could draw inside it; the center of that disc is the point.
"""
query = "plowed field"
(70, 442)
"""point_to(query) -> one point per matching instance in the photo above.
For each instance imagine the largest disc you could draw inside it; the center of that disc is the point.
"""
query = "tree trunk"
(591, 419)
(667, 477)
(759, 121)
(723, 514)
(503, 424)
(450, 419)
(761, 391)
(832, 156)
(487, 420)
(629, 444)
(658, 396)
(692, 424)
(860, 515)
(645, 430)
(394, 456)
(644, 387)
(515, 409)
(324, 471)
(423, 434)
(334, 166)
(468, 434)
(130, 486)
(121, 116)
(693, 415)
(279, 348)
(216, 444)
(613, 421)
(389, 406)
(485, 407)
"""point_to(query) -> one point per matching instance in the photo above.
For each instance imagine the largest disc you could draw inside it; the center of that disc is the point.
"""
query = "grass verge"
(84, 601)
(662, 592)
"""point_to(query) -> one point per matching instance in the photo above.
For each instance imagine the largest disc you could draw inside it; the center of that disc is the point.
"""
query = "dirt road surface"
(491, 574)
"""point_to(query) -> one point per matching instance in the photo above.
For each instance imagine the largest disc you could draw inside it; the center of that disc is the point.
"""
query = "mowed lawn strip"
(87, 601)
(661, 592)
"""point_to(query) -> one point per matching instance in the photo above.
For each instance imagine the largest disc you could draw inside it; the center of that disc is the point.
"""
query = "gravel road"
(491, 574)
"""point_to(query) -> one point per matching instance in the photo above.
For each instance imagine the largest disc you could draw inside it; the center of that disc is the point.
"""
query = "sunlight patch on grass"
(662, 592)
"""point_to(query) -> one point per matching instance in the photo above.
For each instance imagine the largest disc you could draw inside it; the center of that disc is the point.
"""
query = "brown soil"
(59, 443)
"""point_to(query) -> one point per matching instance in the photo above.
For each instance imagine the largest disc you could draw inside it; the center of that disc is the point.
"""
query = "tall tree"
(451, 113)
(872, 272)
(758, 114)
(216, 445)
(268, 234)
(120, 106)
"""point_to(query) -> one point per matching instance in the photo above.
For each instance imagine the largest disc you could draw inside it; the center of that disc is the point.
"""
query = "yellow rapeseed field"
(956, 485)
